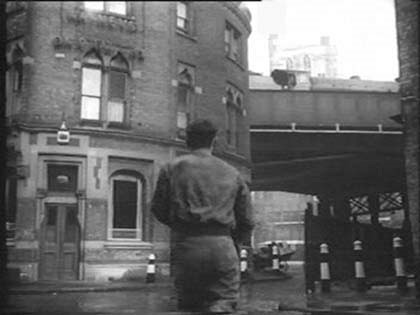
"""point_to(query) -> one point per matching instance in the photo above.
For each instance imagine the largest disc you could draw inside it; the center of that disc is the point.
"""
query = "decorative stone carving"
(12, 6)
(104, 20)
(136, 54)
(59, 43)
(101, 46)
(41, 193)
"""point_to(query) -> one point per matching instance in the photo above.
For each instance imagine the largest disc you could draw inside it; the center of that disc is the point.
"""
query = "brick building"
(124, 78)
(407, 17)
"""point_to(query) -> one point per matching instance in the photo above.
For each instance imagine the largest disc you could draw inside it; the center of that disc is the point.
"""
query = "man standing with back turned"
(207, 205)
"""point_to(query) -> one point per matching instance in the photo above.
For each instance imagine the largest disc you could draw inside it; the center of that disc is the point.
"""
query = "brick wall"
(55, 83)
(52, 86)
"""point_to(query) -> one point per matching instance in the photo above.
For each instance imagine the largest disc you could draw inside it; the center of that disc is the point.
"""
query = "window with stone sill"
(184, 98)
(117, 90)
(233, 116)
(233, 43)
(14, 80)
(183, 16)
(126, 206)
(115, 7)
(104, 92)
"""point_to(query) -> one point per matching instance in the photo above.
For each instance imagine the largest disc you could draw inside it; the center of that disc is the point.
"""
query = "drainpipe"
(3, 158)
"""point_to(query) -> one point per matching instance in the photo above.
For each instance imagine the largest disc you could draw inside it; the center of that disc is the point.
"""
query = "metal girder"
(392, 201)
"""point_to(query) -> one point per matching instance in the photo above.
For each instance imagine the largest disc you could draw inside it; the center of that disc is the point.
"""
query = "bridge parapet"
(328, 104)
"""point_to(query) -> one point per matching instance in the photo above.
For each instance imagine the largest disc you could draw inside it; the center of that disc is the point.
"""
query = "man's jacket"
(199, 193)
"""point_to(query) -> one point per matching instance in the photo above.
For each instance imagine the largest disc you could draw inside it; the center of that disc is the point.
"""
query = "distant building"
(126, 77)
(319, 60)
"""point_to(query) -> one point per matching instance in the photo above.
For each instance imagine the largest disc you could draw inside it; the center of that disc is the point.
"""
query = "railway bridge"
(341, 141)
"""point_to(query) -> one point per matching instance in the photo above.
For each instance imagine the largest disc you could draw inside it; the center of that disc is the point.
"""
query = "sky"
(363, 32)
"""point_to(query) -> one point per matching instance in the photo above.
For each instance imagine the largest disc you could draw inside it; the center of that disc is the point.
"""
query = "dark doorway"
(60, 241)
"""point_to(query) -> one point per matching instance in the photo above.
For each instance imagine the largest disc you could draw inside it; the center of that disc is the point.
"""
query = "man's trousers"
(207, 276)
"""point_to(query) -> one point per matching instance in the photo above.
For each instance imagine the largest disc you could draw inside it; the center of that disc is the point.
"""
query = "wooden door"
(60, 243)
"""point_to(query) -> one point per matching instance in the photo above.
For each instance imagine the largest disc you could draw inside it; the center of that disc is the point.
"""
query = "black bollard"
(359, 267)
(275, 262)
(151, 269)
(244, 263)
(399, 264)
(325, 269)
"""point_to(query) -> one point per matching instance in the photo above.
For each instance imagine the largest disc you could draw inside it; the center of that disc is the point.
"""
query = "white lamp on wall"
(63, 134)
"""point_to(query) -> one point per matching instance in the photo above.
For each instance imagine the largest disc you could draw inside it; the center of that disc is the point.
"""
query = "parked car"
(263, 258)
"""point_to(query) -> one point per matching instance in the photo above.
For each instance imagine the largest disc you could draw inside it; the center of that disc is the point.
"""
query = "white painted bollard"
(399, 264)
(275, 263)
(325, 268)
(244, 263)
(151, 269)
(359, 267)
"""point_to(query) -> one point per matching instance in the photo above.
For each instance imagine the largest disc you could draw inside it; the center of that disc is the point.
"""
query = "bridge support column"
(342, 208)
(324, 207)
(374, 208)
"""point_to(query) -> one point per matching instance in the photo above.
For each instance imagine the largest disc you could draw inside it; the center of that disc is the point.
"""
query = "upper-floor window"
(117, 89)
(17, 69)
(234, 109)
(104, 92)
(117, 7)
(91, 87)
(231, 119)
(184, 98)
(14, 80)
(183, 16)
(233, 43)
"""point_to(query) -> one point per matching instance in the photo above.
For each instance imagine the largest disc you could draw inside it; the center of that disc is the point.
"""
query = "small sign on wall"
(137, 74)
(198, 90)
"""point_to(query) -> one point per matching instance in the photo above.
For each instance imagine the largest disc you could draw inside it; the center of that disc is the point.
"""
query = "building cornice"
(235, 9)
(37, 128)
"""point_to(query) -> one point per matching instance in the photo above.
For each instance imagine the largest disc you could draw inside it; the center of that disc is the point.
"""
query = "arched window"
(238, 113)
(117, 87)
(91, 86)
(306, 63)
(104, 92)
(184, 99)
(126, 206)
(231, 118)
(234, 108)
(17, 69)
(233, 43)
